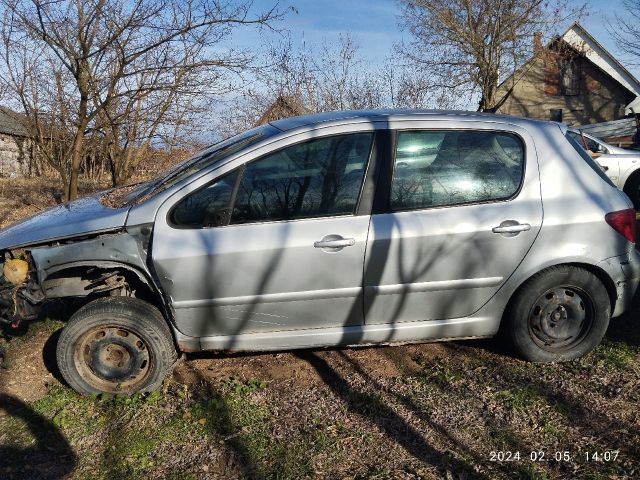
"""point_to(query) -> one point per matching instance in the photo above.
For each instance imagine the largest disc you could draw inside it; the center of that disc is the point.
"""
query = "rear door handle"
(334, 242)
(511, 227)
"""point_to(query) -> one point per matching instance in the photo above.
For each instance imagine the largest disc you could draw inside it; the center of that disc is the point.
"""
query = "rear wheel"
(560, 314)
(115, 345)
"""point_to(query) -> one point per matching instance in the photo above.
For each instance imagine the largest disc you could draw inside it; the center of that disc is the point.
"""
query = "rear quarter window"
(588, 160)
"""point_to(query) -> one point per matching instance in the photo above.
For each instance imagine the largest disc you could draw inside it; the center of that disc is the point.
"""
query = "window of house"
(438, 168)
(569, 80)
(555, 114)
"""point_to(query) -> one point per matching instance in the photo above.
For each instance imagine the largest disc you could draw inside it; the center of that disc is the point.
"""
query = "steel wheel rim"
(113, 359)
(561, 318)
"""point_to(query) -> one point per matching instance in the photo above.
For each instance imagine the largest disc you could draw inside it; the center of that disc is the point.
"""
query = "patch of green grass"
(518, 398)
(11, 339)
(242, 387)
(422, 403)
(531, 471)
(129, 452)
(440, 375)
(376, 472)
(503, 439)
(614, 355)
(231, 416)
(551, 429)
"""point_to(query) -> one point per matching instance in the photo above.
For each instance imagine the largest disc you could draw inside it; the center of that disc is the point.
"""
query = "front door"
(275, 244)
(462, 214)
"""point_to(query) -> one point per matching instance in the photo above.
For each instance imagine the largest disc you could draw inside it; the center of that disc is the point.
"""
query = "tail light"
(623, 222)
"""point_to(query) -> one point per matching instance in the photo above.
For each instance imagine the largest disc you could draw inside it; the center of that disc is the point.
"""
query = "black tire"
(559, 314)
(632, 189)
(116, 345)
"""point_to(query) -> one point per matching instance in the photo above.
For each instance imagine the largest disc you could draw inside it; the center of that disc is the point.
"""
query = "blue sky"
(373, 24)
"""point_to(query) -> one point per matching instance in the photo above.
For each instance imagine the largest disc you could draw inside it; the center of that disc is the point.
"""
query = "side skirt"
(405, 332)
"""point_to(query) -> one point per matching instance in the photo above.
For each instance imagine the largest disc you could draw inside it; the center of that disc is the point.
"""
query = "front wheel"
(560, 314)
(115, 345)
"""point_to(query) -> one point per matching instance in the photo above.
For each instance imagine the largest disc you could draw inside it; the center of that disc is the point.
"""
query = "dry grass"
(23, 197)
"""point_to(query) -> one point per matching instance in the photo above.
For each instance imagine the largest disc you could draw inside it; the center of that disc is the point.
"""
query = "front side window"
(207, 207)
(438, 168)
(317, 178)
(321, 177)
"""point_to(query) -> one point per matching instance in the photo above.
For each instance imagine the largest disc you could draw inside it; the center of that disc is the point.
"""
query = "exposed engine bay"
(20, 296)
(73, 269)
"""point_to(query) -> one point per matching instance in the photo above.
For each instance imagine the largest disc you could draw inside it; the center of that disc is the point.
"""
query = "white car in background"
(622, 166)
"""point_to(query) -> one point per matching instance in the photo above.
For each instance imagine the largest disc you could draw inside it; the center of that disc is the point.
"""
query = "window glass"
(569, 76)
(555, 114)
(436, 168)
(207, 207)
(311, 179)
(570, 136)
(591, 144)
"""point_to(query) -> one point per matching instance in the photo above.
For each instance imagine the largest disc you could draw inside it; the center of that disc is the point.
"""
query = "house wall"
(537, 92)
(11, 155)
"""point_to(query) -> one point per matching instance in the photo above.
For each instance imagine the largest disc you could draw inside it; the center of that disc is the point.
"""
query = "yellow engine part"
(15, 271)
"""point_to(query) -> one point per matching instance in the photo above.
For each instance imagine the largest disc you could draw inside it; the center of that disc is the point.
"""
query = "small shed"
(283, 107)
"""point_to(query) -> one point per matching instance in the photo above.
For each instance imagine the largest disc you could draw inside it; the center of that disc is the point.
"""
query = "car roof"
(378, 115)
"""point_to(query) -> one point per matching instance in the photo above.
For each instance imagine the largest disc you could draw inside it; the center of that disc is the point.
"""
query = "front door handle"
(333, 243)
(511, 228)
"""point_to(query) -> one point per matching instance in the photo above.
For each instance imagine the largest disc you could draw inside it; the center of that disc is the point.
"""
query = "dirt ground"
(453, 410)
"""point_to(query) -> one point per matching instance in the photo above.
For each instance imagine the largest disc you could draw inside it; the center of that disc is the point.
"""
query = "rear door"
(463, 210)
(275, 243)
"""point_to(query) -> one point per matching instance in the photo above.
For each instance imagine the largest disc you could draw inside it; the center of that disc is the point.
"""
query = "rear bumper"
(624, 270)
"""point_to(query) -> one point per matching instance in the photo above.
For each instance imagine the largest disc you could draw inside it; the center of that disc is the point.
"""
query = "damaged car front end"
(92, 255)
(38, 265)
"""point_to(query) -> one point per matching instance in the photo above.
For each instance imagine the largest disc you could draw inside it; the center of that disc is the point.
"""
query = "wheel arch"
(144, 286)
(598, 272)
(631, 178)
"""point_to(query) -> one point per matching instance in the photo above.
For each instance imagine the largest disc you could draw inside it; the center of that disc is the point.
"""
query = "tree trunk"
(76, 160)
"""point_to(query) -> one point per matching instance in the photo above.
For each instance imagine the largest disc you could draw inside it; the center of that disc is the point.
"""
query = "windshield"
(202, 159)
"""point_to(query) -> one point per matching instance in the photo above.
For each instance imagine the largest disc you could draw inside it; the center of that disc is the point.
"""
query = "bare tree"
(625, 30)
(467, 46)
(102, 62)
(333, 78)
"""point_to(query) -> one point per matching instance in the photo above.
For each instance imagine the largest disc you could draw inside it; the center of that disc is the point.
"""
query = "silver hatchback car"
(334, 229)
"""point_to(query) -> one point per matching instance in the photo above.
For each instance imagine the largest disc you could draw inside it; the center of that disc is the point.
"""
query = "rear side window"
(438, 168)
(587, 158)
